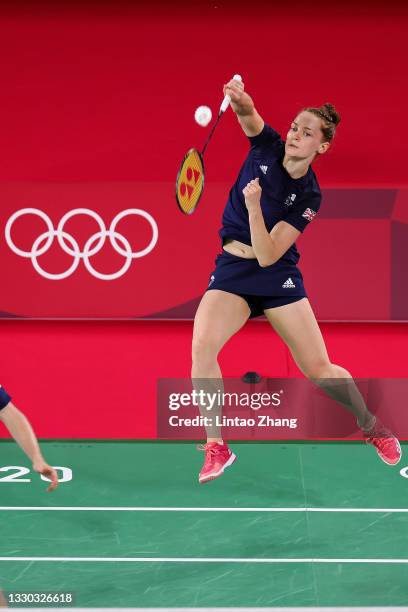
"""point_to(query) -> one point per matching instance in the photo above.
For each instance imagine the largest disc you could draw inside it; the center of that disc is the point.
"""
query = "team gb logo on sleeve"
(309, 214)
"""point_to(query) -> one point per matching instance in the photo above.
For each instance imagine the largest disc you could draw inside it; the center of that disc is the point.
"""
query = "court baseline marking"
(192, 509)
(304, 609)
(200, 560)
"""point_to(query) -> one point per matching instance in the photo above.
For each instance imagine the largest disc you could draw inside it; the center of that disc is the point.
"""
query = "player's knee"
(204, 349)
(326, 370)
(340, 372)
(319, 369)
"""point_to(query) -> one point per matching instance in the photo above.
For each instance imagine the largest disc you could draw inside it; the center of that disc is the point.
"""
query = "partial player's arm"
(242, 104)
(268, 246)
(21, 430)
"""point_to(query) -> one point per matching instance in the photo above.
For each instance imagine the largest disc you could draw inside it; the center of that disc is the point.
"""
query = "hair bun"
(330, 112)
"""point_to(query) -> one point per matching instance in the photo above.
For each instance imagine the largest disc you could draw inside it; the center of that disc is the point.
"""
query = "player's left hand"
(46, 470)
(252, 194)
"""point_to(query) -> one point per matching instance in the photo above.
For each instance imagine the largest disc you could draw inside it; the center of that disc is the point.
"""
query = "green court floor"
(313, 524)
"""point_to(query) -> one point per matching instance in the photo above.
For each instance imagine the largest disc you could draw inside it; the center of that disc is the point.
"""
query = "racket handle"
(227, 99)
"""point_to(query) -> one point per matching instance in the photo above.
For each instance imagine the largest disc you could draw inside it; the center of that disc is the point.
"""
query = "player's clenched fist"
(252, 194)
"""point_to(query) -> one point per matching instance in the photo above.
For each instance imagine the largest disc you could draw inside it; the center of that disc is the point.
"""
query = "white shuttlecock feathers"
(203, 115)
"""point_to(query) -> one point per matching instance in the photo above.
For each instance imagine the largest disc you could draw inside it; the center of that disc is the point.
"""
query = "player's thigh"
(296, 324)
(219, 316)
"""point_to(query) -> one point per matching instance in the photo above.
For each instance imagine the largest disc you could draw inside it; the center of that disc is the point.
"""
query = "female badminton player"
(275, 197)
(21, 430)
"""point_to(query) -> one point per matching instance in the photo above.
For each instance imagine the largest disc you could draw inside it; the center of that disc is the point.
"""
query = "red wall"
(106, 90)
(98, 379)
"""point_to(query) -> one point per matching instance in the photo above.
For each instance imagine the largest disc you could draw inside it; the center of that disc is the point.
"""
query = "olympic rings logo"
(70, 246)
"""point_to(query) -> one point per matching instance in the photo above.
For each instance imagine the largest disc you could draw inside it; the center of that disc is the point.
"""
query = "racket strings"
(190, 181)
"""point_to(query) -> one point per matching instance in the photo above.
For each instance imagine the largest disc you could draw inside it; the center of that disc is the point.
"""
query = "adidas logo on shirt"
(264, 169)
(288, 284)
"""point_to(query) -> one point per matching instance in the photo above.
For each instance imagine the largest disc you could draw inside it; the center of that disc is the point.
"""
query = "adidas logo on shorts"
(288, 284)
(212, 279)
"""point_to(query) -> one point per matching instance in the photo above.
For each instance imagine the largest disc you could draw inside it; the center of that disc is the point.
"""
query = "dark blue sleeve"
(303, 212)
(4, 398)
(268, 137)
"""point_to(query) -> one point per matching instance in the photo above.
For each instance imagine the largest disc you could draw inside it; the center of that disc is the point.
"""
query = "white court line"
(304, 609)
(200, 560)
(191, 509)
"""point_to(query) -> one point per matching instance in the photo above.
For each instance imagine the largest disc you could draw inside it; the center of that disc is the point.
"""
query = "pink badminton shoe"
(385, 442)
(217, 458)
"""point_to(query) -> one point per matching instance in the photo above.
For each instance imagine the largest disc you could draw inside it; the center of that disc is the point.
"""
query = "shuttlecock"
(203, 115)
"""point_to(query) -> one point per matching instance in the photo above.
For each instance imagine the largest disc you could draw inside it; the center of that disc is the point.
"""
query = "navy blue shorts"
(4, 398)
(262, 288)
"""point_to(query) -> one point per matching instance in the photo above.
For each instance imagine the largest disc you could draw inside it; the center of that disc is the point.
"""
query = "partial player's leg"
(219, 316)
(297, 326)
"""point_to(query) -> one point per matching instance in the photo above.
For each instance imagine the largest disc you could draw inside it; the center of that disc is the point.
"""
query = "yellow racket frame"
(190, 182)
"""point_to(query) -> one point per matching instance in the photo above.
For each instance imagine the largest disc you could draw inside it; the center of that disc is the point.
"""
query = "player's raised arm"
(243, 105)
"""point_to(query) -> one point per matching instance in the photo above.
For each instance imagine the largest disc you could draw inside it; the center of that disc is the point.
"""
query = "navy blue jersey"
(295, 201)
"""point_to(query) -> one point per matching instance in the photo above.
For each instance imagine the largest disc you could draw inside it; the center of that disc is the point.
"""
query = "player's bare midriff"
(239, 249)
